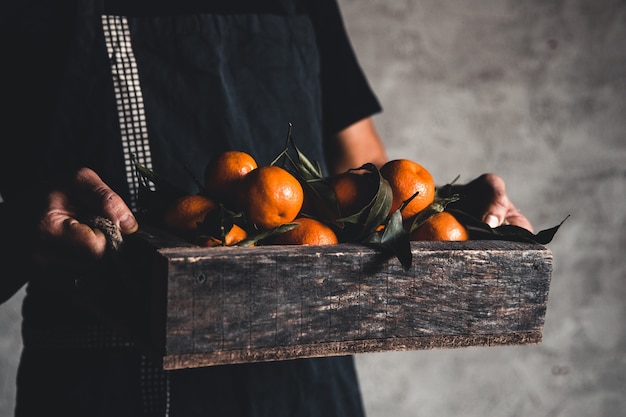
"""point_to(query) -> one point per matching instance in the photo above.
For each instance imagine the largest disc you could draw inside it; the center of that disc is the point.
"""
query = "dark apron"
(194, 86)
(201, 84)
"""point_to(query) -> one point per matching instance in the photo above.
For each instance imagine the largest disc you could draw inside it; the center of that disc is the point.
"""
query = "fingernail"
(128, 222)
(492, 220)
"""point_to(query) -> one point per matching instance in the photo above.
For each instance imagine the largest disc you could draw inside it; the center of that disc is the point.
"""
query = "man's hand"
(64, 238)
(486, 199)
(47, 229)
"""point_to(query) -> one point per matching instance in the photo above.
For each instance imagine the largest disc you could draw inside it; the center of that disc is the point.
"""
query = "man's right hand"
(46, 229)
(64, 239)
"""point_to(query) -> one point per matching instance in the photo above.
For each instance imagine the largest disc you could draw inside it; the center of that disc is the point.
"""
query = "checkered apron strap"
(154, 389)
(128, 98)
(134, 136)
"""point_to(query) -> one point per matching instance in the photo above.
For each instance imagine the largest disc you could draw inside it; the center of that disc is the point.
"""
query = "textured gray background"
(534, 90)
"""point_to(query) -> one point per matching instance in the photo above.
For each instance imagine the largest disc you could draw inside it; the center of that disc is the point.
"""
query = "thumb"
(502, 211)
(495, 214)
(498, 205)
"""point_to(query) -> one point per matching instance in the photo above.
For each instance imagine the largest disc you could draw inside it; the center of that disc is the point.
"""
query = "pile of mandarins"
(242, 203)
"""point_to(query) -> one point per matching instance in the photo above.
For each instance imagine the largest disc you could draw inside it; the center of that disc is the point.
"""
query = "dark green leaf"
(217, 224)
(302, 166)
(322, 199)
(378, 208)
(481, 230)
(147, 176)
(446, 191)
(375, 212)
(155, 192)
(435, 207)
(258, 237)
(394, 239)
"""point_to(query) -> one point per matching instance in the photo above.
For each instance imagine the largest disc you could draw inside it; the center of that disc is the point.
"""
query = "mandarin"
(186, 213)
(353, 191)
(308, 232)
(224, 173)
(406, 178)
(235, 235)
(440, 226)
(272, 196)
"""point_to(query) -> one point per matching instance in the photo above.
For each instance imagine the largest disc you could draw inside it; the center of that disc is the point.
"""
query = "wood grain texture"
(231, 305)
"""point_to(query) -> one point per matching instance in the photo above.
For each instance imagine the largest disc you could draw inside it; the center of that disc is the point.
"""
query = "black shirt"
(35, 38)
(62, 116)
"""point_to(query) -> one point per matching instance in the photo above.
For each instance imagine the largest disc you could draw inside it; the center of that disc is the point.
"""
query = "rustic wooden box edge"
(538, 259)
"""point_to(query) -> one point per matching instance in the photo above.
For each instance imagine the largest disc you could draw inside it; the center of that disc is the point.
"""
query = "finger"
(76, 251)
(498, 204)
(61, 232)
(496, 212)
(516, 218)
(102, 199)
(84, 238)
(500, 209)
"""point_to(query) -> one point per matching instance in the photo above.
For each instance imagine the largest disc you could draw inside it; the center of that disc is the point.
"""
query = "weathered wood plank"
(195, 360)
(230, 305)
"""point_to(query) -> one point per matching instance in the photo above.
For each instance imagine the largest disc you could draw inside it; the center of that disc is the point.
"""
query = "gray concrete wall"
(533, 90)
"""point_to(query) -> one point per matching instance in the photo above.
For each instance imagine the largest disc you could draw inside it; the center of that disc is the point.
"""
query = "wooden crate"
(212, 306)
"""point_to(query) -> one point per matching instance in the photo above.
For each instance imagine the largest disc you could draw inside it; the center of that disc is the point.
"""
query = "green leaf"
(446, 191)
(317, 189)
(379, 207)
(375, 213)
(304, 166)
(301, 166)
(259, 237)
(155, 192)
(322, 199)
(481, 230)
(394, 239)
(437, 206)
(147, 176)
(217, 224)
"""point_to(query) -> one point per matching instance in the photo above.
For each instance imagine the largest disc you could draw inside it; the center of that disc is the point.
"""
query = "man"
(90, 84)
